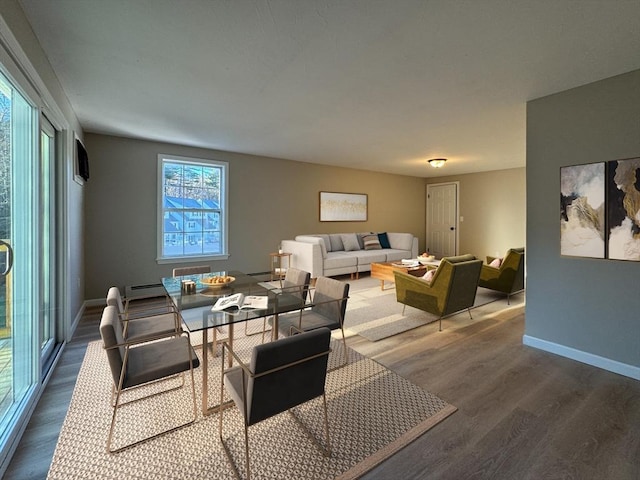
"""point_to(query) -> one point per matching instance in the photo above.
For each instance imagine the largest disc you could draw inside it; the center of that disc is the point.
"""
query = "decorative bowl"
(425, 260)
(218, 281)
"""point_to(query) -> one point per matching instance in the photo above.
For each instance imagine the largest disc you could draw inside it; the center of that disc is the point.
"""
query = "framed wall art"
(582, 210)
(623, 209)
(343, 207)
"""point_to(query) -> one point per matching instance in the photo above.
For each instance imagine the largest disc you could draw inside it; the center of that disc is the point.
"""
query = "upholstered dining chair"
(328, 309)
(138, 363)
(139, 324)
(193, 270)
(296, 283)
(281, 375)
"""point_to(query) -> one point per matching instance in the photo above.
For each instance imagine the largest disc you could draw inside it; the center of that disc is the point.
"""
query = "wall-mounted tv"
(82, 161)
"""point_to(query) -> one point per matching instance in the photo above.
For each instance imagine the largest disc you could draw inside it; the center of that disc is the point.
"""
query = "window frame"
(224, 217)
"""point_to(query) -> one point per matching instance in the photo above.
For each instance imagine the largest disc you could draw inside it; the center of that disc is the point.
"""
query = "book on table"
(240, 301)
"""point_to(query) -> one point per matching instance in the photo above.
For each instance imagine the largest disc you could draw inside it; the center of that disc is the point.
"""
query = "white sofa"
(325, 255)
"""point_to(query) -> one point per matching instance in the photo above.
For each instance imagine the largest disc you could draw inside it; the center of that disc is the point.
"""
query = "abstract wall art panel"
(623, 209)
(582, 210)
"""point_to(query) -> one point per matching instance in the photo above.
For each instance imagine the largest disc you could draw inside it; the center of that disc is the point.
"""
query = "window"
(192, 217)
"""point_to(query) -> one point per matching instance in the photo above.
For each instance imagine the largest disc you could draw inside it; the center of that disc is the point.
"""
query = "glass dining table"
(195, 308)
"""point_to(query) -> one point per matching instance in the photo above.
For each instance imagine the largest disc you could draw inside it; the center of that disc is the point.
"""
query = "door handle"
(452, 228)
(9, 262)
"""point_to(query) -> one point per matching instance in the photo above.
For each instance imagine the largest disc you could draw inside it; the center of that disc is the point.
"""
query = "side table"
(278, 268)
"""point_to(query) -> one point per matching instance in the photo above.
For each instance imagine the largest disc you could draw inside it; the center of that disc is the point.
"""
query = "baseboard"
(614, 366)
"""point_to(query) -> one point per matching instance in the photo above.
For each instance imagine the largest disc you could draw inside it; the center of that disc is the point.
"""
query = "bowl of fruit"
(217, 281)
(425, 258)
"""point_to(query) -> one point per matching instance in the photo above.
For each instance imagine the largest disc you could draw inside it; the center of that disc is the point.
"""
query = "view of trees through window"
(192, 206)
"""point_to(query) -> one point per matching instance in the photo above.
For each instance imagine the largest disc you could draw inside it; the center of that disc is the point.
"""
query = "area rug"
(373, 413)
(375, 314)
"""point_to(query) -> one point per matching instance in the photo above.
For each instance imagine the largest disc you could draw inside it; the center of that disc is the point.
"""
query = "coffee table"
(384, 271)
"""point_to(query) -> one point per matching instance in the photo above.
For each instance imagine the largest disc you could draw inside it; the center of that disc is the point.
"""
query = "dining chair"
(139, 324)
(296, 283)
(280, 376)
(137, 363)
(328, 309)
(195, 270)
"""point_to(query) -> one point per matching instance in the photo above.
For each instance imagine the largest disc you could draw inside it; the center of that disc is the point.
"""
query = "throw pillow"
(371, 242)
(429, 275)
(496, 262)
(350, 242)
(384, 240)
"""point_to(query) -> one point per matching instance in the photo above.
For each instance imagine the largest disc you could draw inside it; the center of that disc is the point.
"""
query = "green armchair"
(509, 277)
(453, 287)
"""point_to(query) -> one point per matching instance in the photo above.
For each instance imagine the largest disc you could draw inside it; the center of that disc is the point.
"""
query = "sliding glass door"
(22, 257)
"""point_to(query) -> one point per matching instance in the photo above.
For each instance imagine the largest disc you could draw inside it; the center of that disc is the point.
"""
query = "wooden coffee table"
(384, 271)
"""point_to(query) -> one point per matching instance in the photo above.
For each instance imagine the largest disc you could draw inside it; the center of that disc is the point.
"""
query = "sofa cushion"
(384, 240)
(395, 255)
(336, 242)
(429, 275)
(366, 257)
(339, 260)
(325, 239)
(400, 241)
(371, 242)
(350, 242)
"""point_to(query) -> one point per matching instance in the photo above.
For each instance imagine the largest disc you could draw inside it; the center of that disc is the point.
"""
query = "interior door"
(442, 219)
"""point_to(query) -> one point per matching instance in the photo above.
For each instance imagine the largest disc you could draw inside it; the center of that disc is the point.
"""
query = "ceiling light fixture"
(437, 162)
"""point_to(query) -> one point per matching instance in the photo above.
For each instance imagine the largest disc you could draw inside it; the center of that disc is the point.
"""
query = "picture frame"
(582, 210)
(343, 207)
(623, 209)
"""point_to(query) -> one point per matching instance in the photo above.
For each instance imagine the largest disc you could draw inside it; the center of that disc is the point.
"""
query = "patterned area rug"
(372, 414)
(375, 314)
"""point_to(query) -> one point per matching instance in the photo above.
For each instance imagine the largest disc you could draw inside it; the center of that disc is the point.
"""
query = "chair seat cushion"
(150, 361)
(310, 321)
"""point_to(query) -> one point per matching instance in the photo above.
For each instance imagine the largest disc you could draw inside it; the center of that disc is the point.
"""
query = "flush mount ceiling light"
(437, 162)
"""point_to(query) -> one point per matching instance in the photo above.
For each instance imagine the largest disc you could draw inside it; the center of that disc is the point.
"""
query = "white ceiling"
(379, 85)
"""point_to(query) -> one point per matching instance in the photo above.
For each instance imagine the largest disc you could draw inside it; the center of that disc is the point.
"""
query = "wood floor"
(522, 413)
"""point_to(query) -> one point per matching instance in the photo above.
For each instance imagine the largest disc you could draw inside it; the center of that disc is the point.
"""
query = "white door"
(442, 219)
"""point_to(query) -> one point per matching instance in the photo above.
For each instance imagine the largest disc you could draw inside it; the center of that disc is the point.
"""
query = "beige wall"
(270, 200)
(493, 206)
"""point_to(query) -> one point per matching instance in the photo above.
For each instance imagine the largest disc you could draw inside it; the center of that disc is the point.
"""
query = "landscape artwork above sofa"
(343, 207)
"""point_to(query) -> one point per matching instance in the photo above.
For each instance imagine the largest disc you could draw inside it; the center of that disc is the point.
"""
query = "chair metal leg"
(327, 452)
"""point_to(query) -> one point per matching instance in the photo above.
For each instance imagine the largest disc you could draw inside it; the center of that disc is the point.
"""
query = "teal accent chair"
(452, 289)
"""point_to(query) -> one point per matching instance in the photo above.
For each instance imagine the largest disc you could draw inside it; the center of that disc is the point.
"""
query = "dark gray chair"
(328, 309)
(281, 375)
(137, 363)
(138, 324)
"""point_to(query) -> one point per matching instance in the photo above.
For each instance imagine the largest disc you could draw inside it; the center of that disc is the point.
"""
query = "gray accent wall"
(586, 309)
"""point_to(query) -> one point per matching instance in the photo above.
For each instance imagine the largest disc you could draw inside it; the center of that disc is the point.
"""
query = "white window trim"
(224, 185)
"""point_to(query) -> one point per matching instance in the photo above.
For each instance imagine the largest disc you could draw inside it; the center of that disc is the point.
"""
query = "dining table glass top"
(196, 307)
